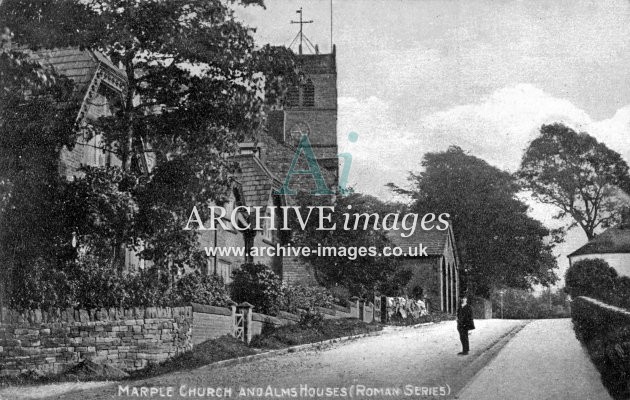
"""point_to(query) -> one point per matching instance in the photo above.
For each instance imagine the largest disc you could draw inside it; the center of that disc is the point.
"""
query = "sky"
(416, 76)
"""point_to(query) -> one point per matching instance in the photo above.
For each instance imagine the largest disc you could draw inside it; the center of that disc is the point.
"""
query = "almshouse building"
(435, 272)
(612, 246)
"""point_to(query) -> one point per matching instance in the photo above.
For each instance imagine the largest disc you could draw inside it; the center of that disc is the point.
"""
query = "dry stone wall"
(51, 342)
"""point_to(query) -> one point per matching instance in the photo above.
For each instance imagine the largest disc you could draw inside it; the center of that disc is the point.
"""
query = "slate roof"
(78, 65)
(256, 180)
(434, 240)
(612, 240)
(81, 66)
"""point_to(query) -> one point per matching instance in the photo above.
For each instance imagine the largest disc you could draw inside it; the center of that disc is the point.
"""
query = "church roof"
(434, 240)
(612, 240)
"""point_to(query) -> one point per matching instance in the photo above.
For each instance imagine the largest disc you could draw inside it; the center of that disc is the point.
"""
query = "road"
(412, 361)
(544, 361)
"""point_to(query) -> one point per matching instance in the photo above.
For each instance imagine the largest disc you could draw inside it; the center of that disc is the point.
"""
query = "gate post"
(377, 308)
(384, 315)
(236, 323)
(246, 309)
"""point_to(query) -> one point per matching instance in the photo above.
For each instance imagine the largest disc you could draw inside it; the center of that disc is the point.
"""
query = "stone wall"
(211, 322)
(259, 320)
(52, 342)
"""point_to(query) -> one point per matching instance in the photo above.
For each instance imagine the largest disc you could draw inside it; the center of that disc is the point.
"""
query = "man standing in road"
(464, 324)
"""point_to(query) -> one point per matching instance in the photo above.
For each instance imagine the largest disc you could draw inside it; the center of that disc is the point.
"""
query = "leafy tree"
(499, 244)
(196, 87)
(577, 174)
(37, 118)
(523, 304)
(361, 274)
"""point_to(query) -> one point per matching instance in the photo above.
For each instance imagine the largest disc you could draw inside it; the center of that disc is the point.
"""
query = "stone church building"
(311, 111)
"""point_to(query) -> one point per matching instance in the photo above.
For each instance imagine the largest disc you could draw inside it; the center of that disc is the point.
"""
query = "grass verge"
(310, 332)
(208, 352)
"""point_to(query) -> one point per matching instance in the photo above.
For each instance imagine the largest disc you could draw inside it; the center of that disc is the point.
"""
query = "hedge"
(605, 331)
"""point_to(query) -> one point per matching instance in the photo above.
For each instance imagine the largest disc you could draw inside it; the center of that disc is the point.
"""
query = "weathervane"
(303, 38)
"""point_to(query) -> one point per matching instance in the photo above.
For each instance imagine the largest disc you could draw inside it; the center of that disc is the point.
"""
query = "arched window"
(308, 94)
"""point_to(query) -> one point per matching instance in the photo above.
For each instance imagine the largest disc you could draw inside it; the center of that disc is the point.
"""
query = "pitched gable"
(255, 179)
(434, 240)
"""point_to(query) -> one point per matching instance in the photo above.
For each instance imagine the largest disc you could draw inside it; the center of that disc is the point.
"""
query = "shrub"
(341, 295)
(591, 278)
(311, 319)
(305, 298)
(258, 285)
(198, 288)
(147, 288)
(622, 292)
(40, 286)
(93, 283)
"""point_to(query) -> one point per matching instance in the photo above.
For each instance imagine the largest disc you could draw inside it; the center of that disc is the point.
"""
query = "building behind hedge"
(612, 246)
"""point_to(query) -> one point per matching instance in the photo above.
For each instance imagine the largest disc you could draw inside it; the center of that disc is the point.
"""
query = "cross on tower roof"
(303, 38)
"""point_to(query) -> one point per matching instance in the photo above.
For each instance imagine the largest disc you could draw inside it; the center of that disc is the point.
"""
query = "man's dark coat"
(465, 319)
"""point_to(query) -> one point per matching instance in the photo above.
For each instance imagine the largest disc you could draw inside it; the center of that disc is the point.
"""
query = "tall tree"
(363, 274)
(499, 244)
(196, 87)
(577, 174)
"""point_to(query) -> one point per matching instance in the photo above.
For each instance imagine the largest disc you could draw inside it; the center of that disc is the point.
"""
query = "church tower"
(311, 110)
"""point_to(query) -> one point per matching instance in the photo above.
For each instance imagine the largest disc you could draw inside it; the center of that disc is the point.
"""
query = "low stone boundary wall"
(259, 320)
(53, 341)
(210, 322)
